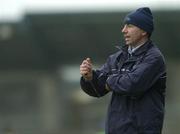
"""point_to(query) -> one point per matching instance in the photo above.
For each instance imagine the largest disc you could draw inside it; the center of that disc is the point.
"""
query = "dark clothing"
(138, 83)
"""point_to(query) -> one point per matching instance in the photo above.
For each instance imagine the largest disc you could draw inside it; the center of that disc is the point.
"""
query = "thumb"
(89, 60)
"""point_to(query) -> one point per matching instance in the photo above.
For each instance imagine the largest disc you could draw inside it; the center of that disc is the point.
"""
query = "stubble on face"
(133, 35)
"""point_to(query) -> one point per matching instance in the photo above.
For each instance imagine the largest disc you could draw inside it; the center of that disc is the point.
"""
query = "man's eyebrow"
(130, 25)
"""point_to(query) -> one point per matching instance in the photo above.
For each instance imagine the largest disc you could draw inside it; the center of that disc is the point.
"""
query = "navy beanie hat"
(141, 18)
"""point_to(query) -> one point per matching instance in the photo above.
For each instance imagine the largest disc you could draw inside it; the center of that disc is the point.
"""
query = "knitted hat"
(141, 18)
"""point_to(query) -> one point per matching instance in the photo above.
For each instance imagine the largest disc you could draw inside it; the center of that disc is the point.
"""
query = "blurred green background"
(39, 70)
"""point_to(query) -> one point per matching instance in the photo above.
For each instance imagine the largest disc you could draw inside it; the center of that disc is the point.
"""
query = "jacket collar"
(140, 50)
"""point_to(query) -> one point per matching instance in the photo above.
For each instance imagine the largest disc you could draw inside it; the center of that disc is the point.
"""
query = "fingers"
(87, 63)
(86, 67)
(84, 70)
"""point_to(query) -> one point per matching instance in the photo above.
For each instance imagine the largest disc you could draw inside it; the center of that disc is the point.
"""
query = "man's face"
(132, 34)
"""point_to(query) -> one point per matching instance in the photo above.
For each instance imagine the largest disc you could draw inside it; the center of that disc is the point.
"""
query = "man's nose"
(124, 29)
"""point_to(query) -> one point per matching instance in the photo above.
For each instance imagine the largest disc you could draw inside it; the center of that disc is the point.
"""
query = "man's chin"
(128, 43)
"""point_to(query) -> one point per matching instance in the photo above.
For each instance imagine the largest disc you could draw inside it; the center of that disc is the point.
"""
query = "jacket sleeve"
(96, 87)
(140, 78)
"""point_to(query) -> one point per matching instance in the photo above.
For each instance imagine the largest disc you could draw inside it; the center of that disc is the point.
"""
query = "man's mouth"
(126, 38)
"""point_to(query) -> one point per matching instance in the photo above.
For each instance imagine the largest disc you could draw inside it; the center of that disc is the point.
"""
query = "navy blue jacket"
(137, 83)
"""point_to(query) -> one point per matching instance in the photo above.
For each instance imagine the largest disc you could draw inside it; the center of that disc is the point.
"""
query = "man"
(136, 76)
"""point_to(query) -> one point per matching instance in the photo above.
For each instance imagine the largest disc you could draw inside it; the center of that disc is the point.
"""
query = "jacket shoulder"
(154, 53)
(115, 55)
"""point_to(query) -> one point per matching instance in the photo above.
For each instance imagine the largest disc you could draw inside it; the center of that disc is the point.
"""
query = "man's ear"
(144, 33)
